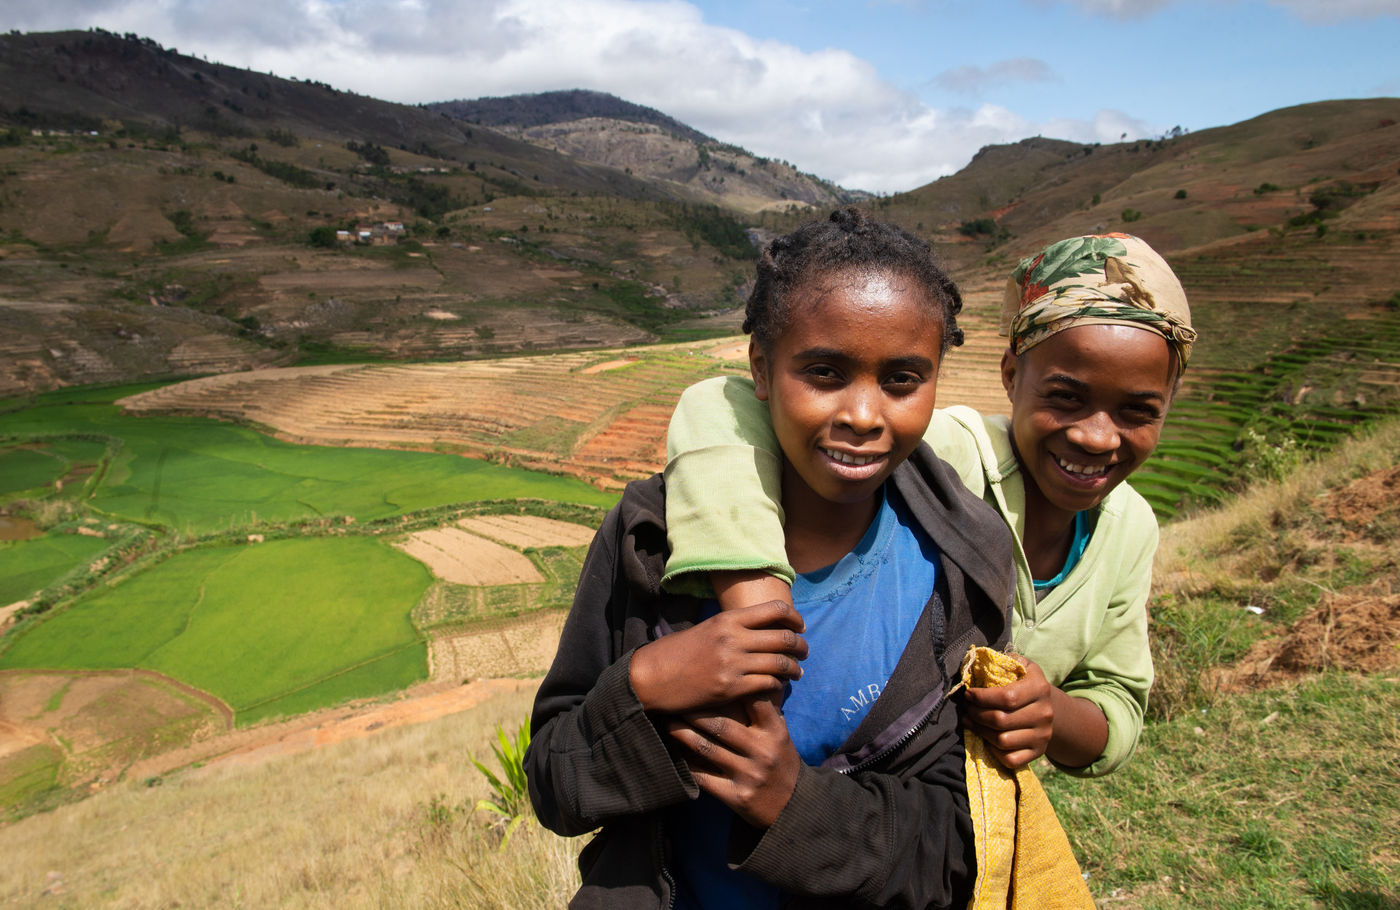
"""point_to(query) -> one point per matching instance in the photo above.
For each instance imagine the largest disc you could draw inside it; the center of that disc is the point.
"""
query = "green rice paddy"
(1307, 397)
(196, 475)
(26, 566)
(258, 625)
(242, 599)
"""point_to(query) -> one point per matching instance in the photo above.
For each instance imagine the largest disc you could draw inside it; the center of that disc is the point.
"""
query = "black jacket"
(883, 823)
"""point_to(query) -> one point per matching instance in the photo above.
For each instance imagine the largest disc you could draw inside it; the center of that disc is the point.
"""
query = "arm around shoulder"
(723, 485)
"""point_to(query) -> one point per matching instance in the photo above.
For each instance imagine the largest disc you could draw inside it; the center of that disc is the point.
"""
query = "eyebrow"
(1080, 385)
(906, 362)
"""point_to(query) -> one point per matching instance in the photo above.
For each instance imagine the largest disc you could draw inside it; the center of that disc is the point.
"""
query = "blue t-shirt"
(859, 612)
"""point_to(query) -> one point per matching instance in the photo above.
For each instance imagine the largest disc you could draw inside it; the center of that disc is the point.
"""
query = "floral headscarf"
(1113, 279)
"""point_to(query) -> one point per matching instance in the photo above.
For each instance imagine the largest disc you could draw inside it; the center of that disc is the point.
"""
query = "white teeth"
(1082, 469)
(846, 458)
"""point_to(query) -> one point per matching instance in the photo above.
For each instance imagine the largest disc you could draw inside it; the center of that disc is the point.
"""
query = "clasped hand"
(732, 655)
(720, 681)
(1015, 721)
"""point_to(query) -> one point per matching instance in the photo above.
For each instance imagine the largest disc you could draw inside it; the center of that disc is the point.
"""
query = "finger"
(757, 674)
(774, 613)
(1001, 698)
(776, 641)
(1015, 760)
(717, 785)
(699, 747)
(764, 714)
(723, 729)
(779, 666)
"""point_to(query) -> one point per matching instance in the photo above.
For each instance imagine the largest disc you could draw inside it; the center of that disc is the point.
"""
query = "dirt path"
(360, 724)
(322, 728)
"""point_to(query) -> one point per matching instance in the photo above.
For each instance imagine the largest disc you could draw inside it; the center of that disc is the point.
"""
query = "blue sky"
(883, 95)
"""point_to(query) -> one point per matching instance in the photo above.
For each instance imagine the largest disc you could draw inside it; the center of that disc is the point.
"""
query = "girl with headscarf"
(1099, 334)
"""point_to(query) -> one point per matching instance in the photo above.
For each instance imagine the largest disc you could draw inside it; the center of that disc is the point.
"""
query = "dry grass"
(1262, 511)
(1242, 577)
(379, 822)
(386, 821)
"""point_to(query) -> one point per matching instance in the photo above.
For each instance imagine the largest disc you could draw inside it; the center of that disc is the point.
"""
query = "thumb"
(762, 712)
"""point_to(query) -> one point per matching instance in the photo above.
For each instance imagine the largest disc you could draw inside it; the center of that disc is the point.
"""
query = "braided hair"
(849, 240)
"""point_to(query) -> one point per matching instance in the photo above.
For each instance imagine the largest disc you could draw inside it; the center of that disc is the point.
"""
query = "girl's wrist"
(1080, 730)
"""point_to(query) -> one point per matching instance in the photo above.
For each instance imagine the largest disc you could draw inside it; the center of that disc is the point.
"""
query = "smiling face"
(850, 385)
(1087, 406)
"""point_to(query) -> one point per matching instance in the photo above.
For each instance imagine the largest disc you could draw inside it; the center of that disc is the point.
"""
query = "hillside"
(1290, 762)
(642, 142)
(1181, 193)
(545, 108)
(161, 215)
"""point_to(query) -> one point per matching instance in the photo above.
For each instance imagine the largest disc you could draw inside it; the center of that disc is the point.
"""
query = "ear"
(1008, 371)
(758, 369)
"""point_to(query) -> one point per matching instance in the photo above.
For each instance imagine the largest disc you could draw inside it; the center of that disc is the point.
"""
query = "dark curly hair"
(849, 240)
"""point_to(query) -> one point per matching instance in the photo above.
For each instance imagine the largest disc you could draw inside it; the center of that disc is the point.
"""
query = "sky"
(879, 95)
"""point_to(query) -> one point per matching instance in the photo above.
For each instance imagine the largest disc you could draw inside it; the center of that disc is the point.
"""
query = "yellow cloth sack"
(1024, 860)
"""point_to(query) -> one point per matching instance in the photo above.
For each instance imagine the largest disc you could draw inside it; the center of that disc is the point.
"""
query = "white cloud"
(1307, 10)
(1107, 126)
(977, 80)
(1115, 9)
(1339, 10)
(828, 112)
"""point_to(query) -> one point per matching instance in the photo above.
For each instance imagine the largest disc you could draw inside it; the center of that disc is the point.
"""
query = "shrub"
(284, 138)
(372, 153)
(1130, 215)
(978, 227)
(281, 170)
(1180, 194)
(511, 804)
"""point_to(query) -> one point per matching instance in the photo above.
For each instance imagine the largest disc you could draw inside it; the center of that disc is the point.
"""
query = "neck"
(1046, 535)
(817, 531)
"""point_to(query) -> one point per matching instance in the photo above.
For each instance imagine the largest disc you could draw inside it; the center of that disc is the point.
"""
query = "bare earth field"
(465, 559)
(300, 736)
(471, 552)
(529, 530)
(99, 723)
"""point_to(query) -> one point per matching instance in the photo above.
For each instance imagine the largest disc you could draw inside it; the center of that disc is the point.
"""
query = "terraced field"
(1300, 346)
(598, 416)
(252, 575)
(1228, 424)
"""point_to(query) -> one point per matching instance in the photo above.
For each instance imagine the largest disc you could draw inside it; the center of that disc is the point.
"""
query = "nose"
(860, 409)
(1096, 433)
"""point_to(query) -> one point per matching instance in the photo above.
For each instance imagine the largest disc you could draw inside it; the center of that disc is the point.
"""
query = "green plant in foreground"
(512, 798)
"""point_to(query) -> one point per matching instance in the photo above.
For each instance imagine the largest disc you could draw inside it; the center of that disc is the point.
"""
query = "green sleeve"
(723, 486)
(952, 434)
(1117, 672)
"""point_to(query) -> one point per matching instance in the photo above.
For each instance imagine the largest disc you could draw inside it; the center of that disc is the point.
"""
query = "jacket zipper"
(671, 881)
(897, 744)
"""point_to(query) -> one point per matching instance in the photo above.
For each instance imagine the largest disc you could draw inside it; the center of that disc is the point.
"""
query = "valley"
(309, 404)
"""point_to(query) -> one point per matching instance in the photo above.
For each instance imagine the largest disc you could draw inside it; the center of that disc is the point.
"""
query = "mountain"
(98, 81)
(552, 108)
(643, 142)
(161, 215)
(1330, 164)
